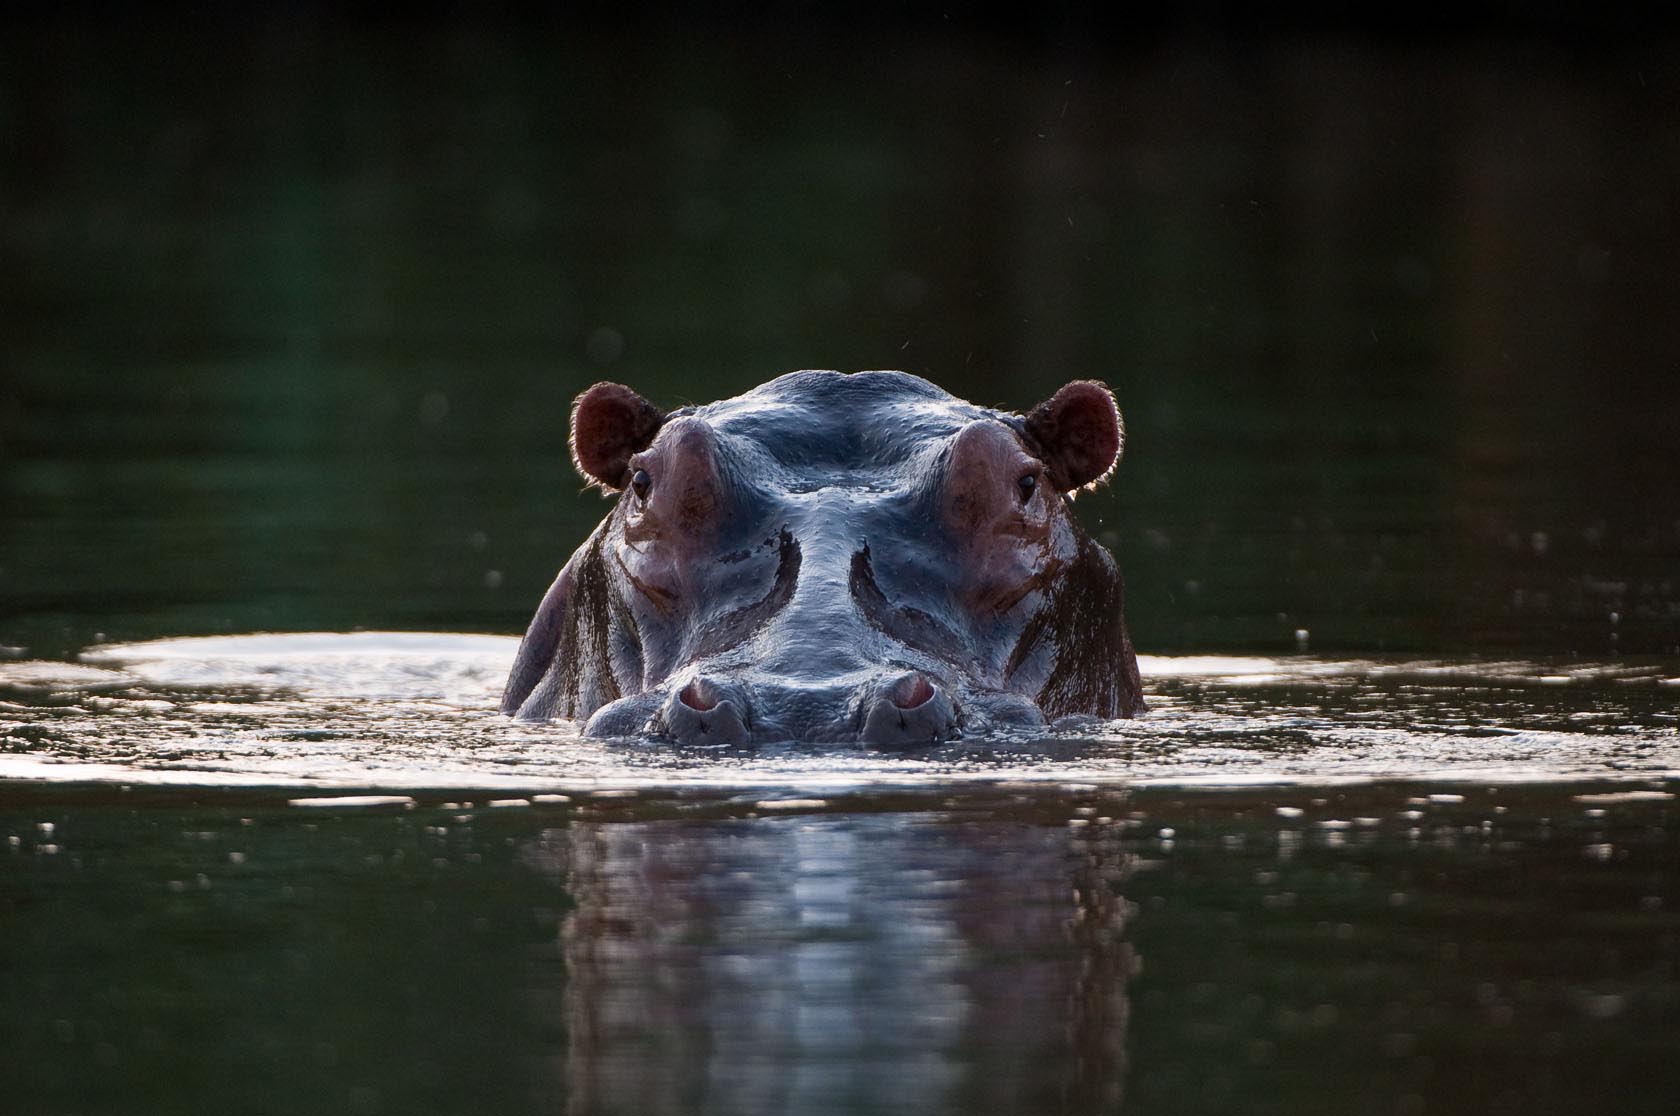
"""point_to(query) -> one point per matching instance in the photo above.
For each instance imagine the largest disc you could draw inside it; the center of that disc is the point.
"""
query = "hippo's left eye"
(1028, 484)
(642, 483)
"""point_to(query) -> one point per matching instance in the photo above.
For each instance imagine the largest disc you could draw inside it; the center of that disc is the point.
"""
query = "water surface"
(317, 873)
(412, 709)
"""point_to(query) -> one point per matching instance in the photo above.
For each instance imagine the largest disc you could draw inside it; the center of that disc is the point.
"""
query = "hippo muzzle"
(889, 711)
(833, 558)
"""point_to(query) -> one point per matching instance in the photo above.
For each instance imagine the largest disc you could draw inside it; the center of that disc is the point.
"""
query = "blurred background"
(294, 301)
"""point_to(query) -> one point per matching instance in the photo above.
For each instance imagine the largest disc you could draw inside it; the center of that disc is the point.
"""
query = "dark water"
(291, 314)
(1513, 949)
(319, 873)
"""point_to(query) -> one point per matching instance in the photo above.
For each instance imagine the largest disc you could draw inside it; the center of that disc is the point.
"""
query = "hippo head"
(834, 557)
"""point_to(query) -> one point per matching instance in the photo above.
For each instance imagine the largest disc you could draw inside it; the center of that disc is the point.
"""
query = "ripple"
(404, 710)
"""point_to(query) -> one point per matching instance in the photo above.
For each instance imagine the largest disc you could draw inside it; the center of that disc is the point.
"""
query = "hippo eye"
(1028, 484)
(641, 482)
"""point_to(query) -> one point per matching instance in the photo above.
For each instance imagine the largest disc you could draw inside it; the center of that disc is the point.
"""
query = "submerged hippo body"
(833, 557)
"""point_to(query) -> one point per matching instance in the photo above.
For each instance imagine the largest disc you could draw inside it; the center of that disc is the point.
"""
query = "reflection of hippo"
(874, 962)
(834, 557)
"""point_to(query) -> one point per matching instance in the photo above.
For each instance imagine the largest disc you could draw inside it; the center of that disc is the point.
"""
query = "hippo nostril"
(698, 695)
(909, 710)
(912, 690)
(704, 712)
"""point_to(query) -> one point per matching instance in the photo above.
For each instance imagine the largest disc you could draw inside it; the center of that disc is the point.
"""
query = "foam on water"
(408, 709)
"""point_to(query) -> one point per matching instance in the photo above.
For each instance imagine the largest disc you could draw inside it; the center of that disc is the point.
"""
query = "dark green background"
(292, 307)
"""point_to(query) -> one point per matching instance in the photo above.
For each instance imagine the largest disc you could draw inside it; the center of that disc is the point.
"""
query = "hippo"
(834, 557)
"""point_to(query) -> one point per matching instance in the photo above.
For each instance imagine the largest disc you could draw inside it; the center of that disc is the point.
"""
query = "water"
(1299, 884)
(290, 318)
(386, 709)
(1283, 891)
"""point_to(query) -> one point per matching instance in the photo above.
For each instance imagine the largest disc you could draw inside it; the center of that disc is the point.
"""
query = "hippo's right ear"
(1078, 434)
(611, 424)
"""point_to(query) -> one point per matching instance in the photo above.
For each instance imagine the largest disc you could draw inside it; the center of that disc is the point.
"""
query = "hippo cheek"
(911, 709)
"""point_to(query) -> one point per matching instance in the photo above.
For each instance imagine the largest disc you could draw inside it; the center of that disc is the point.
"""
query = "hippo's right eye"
(642, 483)
(1028, 483)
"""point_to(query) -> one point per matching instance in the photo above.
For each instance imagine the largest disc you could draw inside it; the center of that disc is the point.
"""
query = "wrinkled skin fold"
(834, 558)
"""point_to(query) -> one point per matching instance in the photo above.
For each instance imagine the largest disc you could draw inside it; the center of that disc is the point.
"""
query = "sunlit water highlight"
(407, 710)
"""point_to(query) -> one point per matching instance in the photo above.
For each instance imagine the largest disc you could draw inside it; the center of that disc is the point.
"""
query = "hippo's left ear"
(1078, 434)
(610, 425)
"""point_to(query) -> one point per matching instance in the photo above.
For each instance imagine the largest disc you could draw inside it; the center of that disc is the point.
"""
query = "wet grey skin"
(834, 557)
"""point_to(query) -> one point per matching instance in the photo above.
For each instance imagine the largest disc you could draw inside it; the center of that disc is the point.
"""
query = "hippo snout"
(897, 710)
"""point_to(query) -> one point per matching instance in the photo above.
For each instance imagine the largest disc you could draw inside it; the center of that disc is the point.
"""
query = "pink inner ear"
(1078, 431)
(610, 424)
